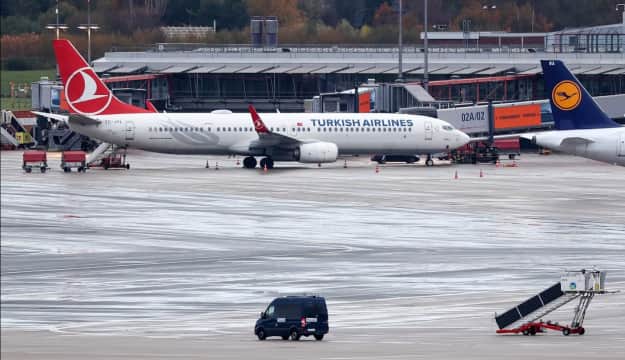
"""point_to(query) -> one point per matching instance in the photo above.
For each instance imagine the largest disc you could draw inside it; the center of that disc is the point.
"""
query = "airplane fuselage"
(221, 134)
(607, 145)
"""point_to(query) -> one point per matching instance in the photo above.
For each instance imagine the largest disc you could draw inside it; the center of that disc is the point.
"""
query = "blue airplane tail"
(571, 105)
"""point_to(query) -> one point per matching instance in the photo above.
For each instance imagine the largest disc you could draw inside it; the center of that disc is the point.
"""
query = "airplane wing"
(269, 138)
(72, 118)
(501, 137)
(59, 117)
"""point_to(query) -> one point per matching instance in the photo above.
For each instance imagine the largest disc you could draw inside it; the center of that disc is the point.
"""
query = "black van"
(291, 317)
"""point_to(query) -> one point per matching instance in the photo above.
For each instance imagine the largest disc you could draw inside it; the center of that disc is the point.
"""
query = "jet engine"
(318, 152)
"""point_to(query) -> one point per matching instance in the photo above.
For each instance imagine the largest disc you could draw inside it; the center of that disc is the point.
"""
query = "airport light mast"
(400, 71)
(618, 6)
(426, 74)
(88, 26)
(58, 26)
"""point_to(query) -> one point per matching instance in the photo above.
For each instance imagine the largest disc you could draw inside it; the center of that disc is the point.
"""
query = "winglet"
(259, 125)
(571, 105)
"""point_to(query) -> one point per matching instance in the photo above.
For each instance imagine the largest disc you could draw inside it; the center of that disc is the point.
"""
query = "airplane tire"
(429, 162)
(249, 162)
(266, 161)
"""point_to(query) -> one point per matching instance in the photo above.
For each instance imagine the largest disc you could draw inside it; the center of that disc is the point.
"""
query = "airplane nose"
(464, 138)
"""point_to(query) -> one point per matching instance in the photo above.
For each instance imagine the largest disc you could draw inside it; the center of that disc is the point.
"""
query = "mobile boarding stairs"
(527, 317)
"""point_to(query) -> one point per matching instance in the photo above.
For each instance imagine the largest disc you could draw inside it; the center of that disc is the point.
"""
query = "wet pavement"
(170, 249)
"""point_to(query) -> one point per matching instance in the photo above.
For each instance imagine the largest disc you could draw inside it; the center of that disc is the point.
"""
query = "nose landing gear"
(429, 161)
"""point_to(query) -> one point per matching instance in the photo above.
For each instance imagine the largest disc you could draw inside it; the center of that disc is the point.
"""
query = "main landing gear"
(266, 162)
(249, 162)
(429, 161)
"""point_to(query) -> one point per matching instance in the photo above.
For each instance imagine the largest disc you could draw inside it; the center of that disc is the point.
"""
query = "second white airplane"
(301, 137)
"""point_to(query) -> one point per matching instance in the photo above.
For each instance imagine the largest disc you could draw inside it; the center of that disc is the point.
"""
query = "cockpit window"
(447, 127)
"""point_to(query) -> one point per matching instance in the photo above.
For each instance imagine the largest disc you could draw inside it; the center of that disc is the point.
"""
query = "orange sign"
(517, 116)
(364, 103)
(63, 105)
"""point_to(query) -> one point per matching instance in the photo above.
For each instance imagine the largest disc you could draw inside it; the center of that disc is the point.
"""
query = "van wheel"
(294, 336)
(319, 337)
(261, 334)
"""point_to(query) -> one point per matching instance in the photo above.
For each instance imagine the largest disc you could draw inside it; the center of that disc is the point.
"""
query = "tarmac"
(171, 259)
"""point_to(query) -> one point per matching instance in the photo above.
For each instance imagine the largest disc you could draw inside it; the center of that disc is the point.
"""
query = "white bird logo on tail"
(88, 92)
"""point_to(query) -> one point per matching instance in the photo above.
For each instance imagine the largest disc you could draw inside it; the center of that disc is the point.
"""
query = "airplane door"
(130, 130)
(428, 130)
(621, 145)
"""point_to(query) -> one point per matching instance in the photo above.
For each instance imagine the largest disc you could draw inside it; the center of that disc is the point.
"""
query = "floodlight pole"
(400, 72)
(57, 19)
(618, 6)
(89, 26)
(57, 26)
(89, 32)
(426, 75)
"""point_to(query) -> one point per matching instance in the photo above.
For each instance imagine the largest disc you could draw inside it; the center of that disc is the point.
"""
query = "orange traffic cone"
(265, 168)
(456, 175)
(377, 169)
(481, 173)
(497, 163)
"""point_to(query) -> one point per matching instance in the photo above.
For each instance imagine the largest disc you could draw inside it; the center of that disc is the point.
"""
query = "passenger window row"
(250, 129)
(178, 129)
(365, 129)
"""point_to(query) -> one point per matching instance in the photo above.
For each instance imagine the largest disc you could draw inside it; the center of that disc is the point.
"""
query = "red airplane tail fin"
(85, 93)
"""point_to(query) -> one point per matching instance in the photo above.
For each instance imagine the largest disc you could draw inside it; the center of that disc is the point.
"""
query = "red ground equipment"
(74, 159)
(34, 158)
(112, 161)
(527, 317)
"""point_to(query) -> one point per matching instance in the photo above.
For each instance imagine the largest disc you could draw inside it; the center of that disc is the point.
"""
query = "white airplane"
(302, 137)
(583, 129)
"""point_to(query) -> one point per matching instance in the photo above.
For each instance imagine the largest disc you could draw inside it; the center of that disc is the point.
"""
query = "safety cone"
(481, 173)
(456, 175)
(216, 166)
(207, 166)
(345, 165)
(265, 168)
(377, 169)
(497, 163)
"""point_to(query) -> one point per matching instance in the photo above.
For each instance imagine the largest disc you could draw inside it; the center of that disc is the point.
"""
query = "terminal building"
(464, 67)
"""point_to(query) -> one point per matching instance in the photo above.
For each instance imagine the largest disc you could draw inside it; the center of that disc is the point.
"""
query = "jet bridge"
(527, 317)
